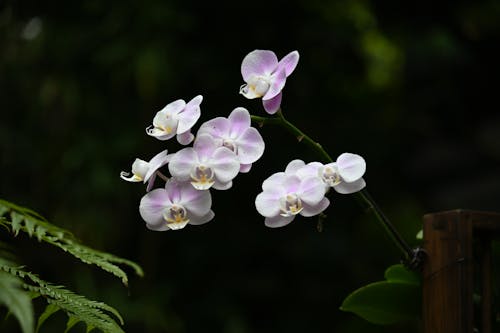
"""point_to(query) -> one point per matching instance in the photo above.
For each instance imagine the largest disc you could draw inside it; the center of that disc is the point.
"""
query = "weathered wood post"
(448, 273)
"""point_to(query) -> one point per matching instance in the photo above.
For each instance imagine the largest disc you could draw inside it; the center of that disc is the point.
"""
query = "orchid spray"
(224, 147)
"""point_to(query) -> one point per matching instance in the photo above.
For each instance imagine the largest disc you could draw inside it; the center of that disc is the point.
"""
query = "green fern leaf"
(78, 308)
(50, 309)
(16, 299)
(72, 321)
(17, 220)
(21, 219)
(3, 210)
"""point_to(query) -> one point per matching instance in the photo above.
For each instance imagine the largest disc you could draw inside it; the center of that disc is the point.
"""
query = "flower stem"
(398, 240)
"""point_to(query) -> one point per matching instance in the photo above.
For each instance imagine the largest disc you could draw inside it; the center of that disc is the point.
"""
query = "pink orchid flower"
(265, 76)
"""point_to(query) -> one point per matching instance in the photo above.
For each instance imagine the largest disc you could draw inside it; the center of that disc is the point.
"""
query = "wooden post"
(448, 273)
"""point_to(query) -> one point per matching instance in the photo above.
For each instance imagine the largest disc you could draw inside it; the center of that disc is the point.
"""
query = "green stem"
(301, 136)
(280, 120)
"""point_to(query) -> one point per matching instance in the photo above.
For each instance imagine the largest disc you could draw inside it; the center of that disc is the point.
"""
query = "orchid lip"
(331, 176)
(290, 205)
(133, 178)
(176, 217)
(167, 129)
(230, 145)
(202, 177)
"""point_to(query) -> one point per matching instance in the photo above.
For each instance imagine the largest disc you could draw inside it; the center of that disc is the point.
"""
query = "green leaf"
(399, 273)
(72, 321)
(420, 235)
(49, 311)
(17, 220)
(385, 302)
(17, 301)
(25, 220)
(78, 308)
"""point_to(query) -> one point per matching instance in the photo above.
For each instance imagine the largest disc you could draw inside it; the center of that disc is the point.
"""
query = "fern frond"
(78, 308)
(20, 219)
(16, 299)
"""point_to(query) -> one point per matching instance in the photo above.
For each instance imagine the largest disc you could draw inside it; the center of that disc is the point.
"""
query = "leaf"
(420, 235)
(17, 301)
(78, 308)
(17, 219)
(49, 311)
(72, 321)
(387, 302)
(25, 220)
(399, 273)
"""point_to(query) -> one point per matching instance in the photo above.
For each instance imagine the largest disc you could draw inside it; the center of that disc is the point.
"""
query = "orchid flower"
(143, 171)
(175, 206)
(205, 165)
(345, 175)
(285, 197)
(176, 118)
(235, 133)
(265, 77)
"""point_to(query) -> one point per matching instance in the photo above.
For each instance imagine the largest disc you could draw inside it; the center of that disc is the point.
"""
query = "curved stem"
(301, 136)
(280, 120)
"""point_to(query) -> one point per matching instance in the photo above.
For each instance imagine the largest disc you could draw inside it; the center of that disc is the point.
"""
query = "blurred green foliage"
(409, 86)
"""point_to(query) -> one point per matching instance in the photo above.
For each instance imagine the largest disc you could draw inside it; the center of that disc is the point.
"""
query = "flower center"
(331, 176)
(169, 125)
(228, 143)
(176, 217)
(256, 87)
(290, 205)
(260, 86)
(202, 177)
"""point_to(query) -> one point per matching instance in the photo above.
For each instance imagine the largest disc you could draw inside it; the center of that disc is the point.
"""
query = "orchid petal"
(294, 166)
(351, 167)
(222, 186)
(157, 162)
(158, 227)
(289, 62)
(312, 190)
(292, 184)
(218, 127)
(174, 107)
(244, 168)
(278, 221)
(239, 121)
(185, 138)
(152, 206)
(272, 105)
(278, 81)
(225, 164)
(258, 62)
(195, 220)
(250, 146)
(310, 170)
(205, 146)
(312, 210)
(267, 203)
(348, 188)
(151, 182)
(182, 162)
(190, 115)
(276, 179)
(196, 202)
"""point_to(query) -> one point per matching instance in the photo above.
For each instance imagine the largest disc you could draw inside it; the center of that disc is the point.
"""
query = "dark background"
(411, 86)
